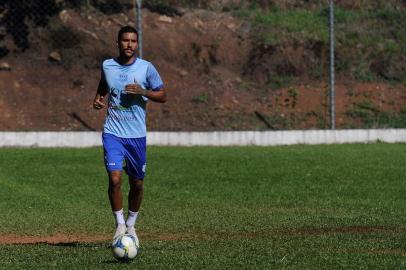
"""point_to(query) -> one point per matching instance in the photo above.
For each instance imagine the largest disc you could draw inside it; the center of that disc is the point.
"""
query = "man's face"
(128, 44)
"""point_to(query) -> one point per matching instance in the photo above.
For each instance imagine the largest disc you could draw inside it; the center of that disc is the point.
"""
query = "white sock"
(119, 215)
(132, 217)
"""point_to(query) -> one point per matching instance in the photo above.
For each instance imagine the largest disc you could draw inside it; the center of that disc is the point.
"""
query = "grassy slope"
(338, 206)
(364, 38)
(370, 47)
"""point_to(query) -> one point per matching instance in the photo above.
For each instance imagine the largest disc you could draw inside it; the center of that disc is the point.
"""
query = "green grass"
(296, 24)
(287, 207)
(367, 115)
(368, 42)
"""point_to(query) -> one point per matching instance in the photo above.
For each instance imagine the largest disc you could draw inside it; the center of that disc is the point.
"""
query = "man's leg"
(135, 197)
(116, 201)
(115, 194)
(136, 165)
(113, 158)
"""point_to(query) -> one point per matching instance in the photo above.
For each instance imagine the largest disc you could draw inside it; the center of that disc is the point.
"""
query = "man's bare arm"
(157, 96)
(102, 90)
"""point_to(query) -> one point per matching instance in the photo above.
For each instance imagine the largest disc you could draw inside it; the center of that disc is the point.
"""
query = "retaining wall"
(219, 138)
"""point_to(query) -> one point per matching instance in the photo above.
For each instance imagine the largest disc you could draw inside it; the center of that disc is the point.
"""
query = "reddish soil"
(76, 238)
(202, 57)
(61, 238)
(54, 239)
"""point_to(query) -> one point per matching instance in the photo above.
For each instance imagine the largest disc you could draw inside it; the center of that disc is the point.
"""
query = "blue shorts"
(132, 150)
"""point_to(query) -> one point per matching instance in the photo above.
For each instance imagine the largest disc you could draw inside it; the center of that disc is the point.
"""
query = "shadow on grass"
(95, 245)
(77, 244)
(115, 261)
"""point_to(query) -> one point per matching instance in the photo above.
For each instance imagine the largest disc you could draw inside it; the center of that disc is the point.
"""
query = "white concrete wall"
(220, 138)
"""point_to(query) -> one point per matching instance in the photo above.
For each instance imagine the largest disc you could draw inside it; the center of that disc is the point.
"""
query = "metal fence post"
(139, 26)
(332, 80)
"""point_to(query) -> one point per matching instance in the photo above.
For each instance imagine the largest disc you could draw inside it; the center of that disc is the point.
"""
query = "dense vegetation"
(370, 35)
(285, 47)
(370, 44)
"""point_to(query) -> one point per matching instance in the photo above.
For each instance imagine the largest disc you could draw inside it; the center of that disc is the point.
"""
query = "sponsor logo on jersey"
(123, 77)
(113, 92)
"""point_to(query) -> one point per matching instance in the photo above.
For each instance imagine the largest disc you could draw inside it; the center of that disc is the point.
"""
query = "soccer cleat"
(131, 231)
(119, 230)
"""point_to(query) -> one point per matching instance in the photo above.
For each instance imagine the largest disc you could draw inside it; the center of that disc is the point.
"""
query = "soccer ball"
(124, 247)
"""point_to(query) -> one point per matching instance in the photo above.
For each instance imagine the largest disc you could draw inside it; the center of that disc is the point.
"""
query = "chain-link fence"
(18, 17)
(267, 52)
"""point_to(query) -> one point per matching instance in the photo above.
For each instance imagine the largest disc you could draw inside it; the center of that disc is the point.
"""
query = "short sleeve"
(154, 80)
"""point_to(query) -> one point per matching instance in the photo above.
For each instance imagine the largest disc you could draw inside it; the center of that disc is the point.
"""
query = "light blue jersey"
(126, 113)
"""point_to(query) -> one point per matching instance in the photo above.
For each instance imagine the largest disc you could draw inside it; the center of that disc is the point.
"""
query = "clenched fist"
(98, 102)
(135, 89)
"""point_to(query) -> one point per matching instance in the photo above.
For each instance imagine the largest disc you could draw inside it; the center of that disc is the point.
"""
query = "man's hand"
(135, 89)
(98, 102)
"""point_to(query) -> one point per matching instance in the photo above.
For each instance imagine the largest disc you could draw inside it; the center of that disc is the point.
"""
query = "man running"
(129, 82)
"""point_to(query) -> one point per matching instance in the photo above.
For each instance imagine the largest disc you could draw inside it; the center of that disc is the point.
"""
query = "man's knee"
(137, 184)
(115, 179)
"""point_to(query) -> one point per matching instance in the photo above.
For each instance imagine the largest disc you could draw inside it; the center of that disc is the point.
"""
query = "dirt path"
(53, 239)
(62, 238)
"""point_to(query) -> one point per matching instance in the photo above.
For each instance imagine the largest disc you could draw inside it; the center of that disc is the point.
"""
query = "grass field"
(288, 207)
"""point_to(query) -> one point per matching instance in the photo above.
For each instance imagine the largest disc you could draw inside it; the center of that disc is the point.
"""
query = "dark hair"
(126, 29)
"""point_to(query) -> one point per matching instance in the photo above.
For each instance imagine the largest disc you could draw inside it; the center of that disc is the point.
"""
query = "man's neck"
(124, 60)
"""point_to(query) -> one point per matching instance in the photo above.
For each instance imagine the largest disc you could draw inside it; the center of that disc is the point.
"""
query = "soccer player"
(129, 83)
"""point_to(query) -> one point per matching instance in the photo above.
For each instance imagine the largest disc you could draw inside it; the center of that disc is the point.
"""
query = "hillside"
(225, 66)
